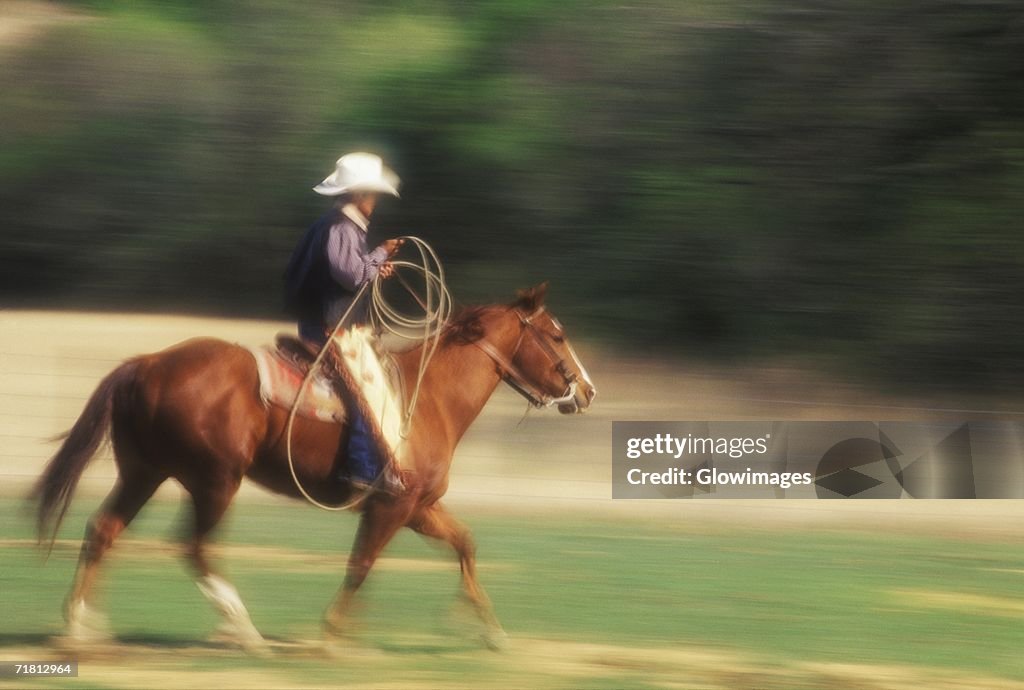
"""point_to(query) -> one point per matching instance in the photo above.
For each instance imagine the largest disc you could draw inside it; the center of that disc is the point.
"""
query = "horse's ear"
(531, 299)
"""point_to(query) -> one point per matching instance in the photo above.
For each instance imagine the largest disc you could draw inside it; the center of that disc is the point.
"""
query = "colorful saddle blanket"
(280, 380)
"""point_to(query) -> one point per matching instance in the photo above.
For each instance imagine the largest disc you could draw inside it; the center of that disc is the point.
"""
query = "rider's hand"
(391, 246)
(386, 270)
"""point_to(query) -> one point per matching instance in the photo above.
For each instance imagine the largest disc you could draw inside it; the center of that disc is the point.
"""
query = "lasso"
(384, 318)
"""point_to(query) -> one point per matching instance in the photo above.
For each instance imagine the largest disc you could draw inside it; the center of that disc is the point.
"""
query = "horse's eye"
(558, 338)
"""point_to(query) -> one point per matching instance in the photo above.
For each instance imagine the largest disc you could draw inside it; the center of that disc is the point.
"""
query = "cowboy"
(327, 270)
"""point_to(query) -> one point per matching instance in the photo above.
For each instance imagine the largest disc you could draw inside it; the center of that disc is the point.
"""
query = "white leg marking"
(86, 624)
(237, 623)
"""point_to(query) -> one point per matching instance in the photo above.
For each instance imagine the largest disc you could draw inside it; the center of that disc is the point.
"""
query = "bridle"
(514, 377)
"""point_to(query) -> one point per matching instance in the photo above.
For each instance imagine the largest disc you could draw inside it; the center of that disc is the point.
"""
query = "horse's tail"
(56, 486)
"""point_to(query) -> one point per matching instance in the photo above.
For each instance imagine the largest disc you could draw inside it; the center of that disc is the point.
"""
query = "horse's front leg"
(382, 517)
(438, 523)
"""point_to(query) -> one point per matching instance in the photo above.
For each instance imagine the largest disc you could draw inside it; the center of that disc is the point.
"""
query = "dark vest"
(307, 279)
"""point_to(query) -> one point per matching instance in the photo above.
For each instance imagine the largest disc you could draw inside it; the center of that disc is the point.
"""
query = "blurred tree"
(720, 178)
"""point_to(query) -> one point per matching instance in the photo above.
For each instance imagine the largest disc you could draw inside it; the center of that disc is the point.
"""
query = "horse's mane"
(465, 327)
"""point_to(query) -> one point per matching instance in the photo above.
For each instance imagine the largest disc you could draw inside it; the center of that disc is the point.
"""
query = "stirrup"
(391, 481)
(360, 485)
(385, 484)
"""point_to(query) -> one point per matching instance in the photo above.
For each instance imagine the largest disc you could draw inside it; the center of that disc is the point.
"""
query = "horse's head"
(545, 368)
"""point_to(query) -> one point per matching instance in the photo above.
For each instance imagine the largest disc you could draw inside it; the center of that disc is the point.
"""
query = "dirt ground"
(556, 664)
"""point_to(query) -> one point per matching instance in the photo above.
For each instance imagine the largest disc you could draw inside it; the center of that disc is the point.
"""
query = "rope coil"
(436, 304)
(436, 307)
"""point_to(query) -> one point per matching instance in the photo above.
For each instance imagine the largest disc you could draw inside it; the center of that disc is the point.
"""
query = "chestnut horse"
(193, 413)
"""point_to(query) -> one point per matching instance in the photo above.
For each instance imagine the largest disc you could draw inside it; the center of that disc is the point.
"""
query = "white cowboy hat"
(359, 172)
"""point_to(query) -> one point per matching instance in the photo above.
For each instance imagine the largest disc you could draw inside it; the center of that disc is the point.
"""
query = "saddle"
(299, 352)
(373, 385)
(282, 368)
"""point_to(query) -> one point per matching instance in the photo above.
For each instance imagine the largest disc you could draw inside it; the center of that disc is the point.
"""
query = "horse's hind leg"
(128, 496)
(210, 502)
(438, 523)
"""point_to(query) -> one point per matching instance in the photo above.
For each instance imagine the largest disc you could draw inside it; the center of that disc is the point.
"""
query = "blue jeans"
(364, 462)
(363, 459)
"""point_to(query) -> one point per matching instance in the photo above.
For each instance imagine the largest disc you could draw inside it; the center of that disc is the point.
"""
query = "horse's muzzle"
(584, 395)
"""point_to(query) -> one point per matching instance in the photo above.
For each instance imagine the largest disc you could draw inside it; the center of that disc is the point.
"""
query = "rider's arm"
(351, 265)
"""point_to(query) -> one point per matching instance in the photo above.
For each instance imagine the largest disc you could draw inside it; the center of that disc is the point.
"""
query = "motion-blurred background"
(817, 178)
(815, 205)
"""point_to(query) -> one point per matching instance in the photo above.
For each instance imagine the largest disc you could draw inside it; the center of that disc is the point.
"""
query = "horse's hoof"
(253, 646)
(245, 637)
(81, 639)
(85, 624)
(496, 640)
(251, 642)
(256, 648)
(332, 647)
(332, 630)
(95, 631)
(87, 635)
(338, 627)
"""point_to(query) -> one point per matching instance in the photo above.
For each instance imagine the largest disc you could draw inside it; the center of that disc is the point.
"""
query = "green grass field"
(588, 602)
